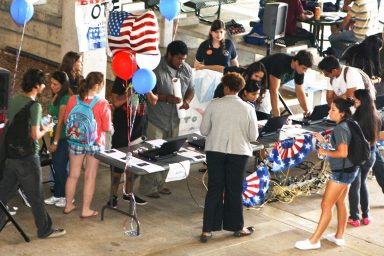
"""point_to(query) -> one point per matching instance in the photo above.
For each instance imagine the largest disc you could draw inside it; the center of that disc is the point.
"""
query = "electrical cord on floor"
(189, 188)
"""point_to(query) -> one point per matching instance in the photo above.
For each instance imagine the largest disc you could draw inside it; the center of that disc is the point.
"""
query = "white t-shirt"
(353, 80)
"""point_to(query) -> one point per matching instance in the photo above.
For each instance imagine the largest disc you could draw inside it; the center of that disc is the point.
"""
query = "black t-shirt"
(214, 56)
(120, 137)
(279, 65)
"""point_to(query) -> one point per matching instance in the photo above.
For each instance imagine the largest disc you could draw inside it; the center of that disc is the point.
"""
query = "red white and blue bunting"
(290, 152)
(255, 186)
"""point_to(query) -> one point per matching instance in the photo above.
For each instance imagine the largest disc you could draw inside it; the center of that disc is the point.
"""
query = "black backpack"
(359, 149)
(18, 139)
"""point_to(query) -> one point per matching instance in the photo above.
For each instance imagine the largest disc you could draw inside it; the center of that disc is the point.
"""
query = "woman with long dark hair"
(343, 173)
(72, 65)
(368, 118)
(59, 144)
(216, 53)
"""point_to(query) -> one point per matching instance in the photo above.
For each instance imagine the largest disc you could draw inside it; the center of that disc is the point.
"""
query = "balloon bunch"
(125, 65)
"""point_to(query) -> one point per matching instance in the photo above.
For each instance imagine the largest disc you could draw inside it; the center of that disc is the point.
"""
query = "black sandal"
(205, 238)
(241, 233)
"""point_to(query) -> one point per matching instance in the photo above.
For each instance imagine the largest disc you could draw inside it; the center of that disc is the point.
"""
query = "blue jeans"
(60, 159)
(378, 169)
(358, 192)
(26, 172)
(338, 41)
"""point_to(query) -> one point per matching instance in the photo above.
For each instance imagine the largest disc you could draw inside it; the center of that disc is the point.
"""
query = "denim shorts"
(343, 177)
(84, 150)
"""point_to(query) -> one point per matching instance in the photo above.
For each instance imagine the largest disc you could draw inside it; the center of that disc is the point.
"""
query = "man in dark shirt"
(296, 13)
(282, 68)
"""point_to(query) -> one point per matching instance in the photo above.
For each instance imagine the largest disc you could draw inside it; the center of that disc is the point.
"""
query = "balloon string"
(18, 58)
(177, 25)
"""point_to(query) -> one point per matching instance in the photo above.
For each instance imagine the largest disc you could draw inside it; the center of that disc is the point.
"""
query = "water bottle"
(128, 160)
(46, 120)
(321, 157)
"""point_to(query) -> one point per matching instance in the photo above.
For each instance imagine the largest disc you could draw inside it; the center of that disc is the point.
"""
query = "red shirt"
(295, 9)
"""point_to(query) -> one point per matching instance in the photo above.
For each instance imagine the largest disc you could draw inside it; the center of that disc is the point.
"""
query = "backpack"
(366, 80)
(359, 149)
(18, 138)
(81, 126)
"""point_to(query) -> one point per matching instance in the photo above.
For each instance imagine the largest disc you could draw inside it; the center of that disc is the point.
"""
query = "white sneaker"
(306, 245)
(52, 200)
(61, 202)
(333, 239)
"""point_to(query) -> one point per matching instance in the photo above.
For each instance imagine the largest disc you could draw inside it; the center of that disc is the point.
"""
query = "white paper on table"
(114, 153)
(156, 143)
(178, 171)
(191, 154)
(291, 131)
(148, 167)
(177, 93)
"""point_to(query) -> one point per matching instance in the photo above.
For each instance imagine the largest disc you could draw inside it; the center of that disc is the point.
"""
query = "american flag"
(137, 33)
(255, 186)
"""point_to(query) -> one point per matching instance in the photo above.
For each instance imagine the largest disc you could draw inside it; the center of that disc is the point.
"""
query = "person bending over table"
(282, 68)
(120, 94)
(163, 118)
(343, 174)
(234, 120)
(216, 53)
(337, 85)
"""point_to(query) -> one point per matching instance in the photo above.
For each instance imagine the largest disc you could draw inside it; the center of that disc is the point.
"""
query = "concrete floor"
(172, 224)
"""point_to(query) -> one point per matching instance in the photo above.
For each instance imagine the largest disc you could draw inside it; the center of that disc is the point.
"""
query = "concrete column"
(95, 60)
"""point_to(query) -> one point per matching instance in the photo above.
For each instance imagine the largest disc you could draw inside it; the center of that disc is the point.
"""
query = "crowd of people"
(244, 96)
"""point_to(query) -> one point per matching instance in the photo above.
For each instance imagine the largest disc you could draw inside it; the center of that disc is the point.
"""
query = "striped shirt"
(365, 14)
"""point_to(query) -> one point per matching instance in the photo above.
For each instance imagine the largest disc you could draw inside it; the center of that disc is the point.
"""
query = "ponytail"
(89, 83)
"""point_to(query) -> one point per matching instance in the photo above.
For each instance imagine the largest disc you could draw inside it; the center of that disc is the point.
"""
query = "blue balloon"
(169, 8)
(21, 11)
(143, 81)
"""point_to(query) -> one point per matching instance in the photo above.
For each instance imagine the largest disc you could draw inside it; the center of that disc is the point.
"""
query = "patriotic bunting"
(290, 152)
(255, 186)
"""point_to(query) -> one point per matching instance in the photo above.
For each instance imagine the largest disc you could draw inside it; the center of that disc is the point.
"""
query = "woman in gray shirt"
(230, 124)
(343, 174)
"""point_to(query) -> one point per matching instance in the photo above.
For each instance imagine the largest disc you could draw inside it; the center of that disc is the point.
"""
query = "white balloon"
(147, 61)
(33, 1)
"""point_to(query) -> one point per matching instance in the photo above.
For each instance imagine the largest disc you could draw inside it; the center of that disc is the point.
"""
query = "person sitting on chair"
(293, 33)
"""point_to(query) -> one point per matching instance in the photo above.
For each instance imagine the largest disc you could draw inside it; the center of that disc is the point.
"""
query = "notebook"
(167, 148)
(317, 116)
(198, 143)
(272, 126)
(380, 102)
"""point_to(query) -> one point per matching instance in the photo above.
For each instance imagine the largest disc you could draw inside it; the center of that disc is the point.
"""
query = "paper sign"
(178, 171)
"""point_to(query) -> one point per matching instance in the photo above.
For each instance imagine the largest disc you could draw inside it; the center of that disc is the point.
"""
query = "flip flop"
(93, 215)
(68, 212)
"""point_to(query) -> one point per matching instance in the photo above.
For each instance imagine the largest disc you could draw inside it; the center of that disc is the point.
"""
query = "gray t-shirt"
(340, 135)
(164, 115)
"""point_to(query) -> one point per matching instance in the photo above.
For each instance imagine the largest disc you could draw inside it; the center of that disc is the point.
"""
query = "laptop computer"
(379, 102)
(198, 143)
(317, 116)
(167, 148)
(272, 126)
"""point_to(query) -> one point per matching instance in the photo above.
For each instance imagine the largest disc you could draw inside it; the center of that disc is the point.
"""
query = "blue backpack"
(81, 127)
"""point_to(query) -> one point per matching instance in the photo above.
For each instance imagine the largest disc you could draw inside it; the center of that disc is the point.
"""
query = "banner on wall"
(91, 24)
(205, 82)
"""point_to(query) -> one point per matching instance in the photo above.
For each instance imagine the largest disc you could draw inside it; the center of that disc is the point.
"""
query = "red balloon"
(124, 65)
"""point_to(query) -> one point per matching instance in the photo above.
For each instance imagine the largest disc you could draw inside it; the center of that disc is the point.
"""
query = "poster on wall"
(91, 24)
(205, 82)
